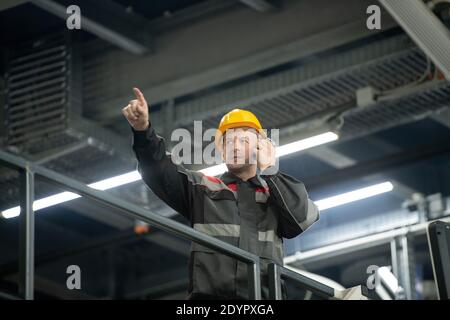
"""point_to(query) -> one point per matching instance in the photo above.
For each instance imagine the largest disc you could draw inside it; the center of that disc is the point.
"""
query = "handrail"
(8, 296)
(276, 272)
(29, 170)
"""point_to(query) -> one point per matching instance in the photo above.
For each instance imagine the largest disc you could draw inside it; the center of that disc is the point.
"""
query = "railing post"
(254, 281)
(274, 282)
(26, 236)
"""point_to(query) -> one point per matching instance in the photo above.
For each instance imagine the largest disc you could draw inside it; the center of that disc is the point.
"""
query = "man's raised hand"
(136, 112)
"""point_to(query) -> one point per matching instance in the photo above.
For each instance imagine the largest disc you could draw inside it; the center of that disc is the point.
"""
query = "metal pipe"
(26, 240)
(353, 245)
(274, 282)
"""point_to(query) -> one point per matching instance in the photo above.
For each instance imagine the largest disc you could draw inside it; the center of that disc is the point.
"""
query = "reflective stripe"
(270, 238)
(266, 235)
(311, 215)
(211, 184)
(215, 184)
(218, 229)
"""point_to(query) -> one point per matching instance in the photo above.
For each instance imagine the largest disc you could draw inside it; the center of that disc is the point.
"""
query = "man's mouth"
(236, 159)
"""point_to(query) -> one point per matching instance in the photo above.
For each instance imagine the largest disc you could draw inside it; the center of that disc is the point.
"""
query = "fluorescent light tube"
(306, 143)
(355, 195)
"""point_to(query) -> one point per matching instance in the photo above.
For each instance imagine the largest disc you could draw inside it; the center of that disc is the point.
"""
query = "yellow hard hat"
(235, 119)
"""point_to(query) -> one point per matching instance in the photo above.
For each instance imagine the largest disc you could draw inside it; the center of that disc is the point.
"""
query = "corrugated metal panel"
(36, 82)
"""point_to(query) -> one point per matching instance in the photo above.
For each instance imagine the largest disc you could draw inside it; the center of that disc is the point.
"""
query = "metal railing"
(276, 272)
(29, 171)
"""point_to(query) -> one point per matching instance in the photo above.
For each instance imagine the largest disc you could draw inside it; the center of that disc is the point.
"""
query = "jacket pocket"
(213, 273)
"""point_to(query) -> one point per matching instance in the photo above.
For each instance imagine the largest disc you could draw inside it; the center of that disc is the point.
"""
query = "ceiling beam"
(108, 21)
(8, 4)
(375, 166)
(443, 117)
(331, 157)
(190, 14)
(262, 5)
(341, 161)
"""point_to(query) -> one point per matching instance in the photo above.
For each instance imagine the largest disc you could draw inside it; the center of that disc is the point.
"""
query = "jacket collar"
(228, 177)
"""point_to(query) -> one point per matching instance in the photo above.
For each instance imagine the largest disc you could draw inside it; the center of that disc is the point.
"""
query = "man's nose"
(239, 146)
(239, 142)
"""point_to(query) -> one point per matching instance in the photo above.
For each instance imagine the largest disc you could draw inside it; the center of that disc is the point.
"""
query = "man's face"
(240, 147)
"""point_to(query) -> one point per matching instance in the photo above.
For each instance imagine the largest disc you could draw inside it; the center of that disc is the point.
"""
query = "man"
(250, 206)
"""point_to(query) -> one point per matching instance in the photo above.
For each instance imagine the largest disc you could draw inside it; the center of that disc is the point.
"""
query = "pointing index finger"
(139, 95)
